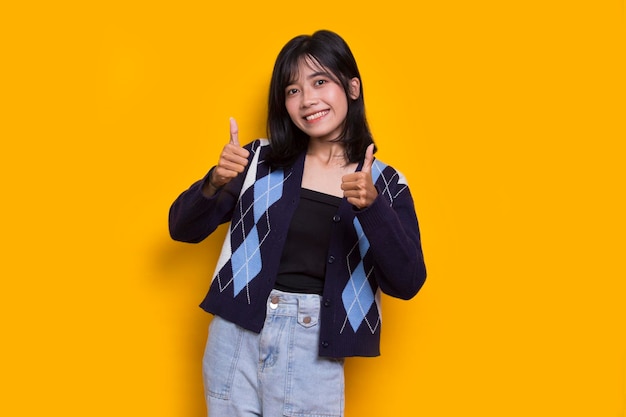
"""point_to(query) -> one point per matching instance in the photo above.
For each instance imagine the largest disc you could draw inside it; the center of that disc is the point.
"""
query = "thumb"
(369, 159)
(234, 132)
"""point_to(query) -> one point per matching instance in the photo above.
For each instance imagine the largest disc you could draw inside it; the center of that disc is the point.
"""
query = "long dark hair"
(332, 53)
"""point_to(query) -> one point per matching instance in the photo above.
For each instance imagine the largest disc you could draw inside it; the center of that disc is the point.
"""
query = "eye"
(291, 91)
(320, 82)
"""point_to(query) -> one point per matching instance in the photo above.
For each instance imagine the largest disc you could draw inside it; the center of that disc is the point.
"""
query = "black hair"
(329, 51)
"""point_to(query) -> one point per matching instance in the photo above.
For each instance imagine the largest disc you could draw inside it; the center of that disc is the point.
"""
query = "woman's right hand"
(233, 159)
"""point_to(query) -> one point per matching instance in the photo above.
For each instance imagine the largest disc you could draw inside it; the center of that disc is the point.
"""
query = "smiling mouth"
(315, 116)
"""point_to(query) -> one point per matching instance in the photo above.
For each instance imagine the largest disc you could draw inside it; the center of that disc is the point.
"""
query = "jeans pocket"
(316, 390)
(220, 358)
(306, 320)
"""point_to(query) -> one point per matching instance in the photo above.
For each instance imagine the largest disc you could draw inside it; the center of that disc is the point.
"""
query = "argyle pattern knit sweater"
(371, 250)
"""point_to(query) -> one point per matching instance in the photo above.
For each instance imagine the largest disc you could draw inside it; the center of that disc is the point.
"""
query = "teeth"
(316, 115)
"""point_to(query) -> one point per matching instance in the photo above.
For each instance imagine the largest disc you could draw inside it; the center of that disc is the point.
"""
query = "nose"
(309, 97)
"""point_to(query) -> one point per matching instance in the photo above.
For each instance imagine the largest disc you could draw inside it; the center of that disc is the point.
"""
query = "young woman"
(318, 228)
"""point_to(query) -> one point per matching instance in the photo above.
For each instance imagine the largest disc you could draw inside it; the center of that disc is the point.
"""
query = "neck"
(329, 153)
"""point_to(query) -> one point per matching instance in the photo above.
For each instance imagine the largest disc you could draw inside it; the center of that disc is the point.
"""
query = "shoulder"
(385, 173)
(258, 149)
(390, 182)
(257, 145)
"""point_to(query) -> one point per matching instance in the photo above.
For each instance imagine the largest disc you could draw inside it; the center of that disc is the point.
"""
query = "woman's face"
(317, 103)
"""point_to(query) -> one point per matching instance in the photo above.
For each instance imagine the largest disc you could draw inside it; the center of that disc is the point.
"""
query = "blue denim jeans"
(277, 372)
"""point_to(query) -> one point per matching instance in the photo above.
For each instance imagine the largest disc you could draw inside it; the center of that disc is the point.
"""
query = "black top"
(303, 262)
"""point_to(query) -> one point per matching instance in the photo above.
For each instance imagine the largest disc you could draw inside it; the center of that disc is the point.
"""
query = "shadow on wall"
(183, 275)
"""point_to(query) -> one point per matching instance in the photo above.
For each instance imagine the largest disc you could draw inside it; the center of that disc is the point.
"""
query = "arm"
(198, 211)
(389, 222)
(193, 216)
(395, 245)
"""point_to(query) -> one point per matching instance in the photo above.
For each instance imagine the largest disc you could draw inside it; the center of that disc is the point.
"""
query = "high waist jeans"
(277, 372)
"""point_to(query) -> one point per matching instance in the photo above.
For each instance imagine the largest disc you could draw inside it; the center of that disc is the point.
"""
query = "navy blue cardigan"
(374, 249)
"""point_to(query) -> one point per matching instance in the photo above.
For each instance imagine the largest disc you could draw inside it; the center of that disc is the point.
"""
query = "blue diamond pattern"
(357, 296)
(246, 260)
(267, 191)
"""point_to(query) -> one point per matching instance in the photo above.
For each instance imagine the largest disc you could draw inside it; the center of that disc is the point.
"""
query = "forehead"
(306, 66)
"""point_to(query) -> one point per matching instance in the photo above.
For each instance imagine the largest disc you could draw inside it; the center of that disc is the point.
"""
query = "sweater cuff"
(207, 181)
(376, 215)
(196, 196)
(207, 177)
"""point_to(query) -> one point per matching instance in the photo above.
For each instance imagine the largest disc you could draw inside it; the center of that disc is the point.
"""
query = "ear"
(355, 88)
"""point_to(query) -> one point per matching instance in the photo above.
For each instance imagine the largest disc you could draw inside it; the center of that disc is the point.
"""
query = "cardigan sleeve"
(392, 230)
(193, 216)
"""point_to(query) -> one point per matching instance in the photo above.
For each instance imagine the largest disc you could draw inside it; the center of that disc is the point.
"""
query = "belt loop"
(304, 304)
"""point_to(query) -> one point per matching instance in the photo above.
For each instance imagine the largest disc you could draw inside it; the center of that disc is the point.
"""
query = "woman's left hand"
(358, 187)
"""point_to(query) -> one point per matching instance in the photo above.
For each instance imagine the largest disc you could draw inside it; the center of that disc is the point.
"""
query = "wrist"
(212, 184)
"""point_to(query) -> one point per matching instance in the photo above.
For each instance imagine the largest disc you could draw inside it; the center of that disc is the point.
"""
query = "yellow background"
(508, 119)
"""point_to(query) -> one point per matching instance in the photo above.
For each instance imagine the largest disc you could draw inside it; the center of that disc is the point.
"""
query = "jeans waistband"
(292, 304)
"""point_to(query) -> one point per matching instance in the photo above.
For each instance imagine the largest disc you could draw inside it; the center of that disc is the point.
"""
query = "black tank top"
(303, 262)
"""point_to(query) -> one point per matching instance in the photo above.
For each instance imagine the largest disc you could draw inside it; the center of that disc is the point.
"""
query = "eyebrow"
(313, 75)
(318, 73)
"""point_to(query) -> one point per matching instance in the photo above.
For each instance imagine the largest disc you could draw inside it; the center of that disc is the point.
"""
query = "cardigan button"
(325, 344)
(336, 218)
(327, 302)
(331, 259)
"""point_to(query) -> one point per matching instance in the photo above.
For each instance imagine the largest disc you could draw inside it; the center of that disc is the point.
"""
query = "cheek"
(340, 98)
(342, 104)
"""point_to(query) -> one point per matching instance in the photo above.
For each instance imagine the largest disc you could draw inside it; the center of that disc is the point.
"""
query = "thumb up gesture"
(358, 187)
(233, 159)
